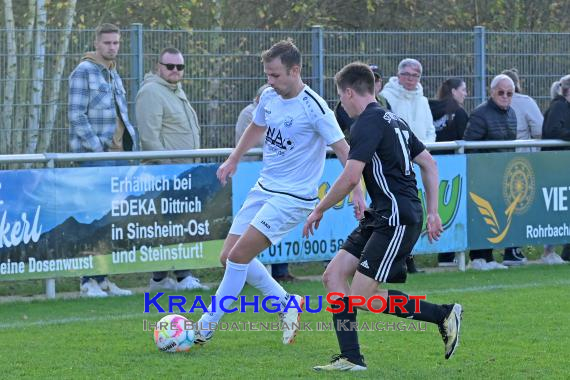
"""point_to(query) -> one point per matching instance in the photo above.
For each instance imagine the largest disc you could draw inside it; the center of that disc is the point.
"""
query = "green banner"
(517, 199)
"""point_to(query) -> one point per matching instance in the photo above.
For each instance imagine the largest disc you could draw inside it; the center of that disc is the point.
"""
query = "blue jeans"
(279, 270)
(180, 275)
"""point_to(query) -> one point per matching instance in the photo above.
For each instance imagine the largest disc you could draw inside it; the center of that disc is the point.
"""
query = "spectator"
(99, 121)
(245, 117)
(494, 120)
(344, 121)
(449, 120)
(280, 272)
(167, 121)
(406, 97)
(529, 117)
(557, 126)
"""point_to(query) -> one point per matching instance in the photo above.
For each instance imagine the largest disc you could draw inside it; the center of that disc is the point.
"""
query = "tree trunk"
(37, 77)
(22, 94)
(10, 84)
(53, 95)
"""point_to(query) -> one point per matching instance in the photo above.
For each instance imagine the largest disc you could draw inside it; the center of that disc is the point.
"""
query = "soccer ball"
(173, 334)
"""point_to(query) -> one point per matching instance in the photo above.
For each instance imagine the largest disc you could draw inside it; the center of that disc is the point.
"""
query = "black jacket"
(449, 124)
(556, 123)
(489, 122)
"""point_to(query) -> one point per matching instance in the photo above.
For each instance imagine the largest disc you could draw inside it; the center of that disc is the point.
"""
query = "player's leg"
(341, 269)
(279, 215)
(249, 245)
(335, 279)
(229, 243)
(257, 275)
(385, 255)
(240, 253)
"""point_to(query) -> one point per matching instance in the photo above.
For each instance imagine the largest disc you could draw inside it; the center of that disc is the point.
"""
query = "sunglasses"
(171, 66)
(411, 75)
(503, 93)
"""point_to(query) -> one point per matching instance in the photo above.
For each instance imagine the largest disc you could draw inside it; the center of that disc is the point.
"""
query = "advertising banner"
(452, 206)
(106, 220)
(518, 199)
(339, 221)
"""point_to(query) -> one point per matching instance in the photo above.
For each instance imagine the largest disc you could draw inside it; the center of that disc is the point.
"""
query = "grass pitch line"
(498, 287)
(64, 321)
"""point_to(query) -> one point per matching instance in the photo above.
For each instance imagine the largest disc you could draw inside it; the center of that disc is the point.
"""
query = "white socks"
(260, 278)
(232, 284)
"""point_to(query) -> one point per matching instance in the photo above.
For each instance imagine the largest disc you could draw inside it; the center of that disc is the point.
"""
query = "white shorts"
(274, 215)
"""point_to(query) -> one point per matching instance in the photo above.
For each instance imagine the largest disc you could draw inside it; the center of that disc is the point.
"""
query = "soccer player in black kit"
(383, 150)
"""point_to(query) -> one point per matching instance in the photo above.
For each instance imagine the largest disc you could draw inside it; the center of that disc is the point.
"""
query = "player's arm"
(349, 178)
(430, 179)
(248, 140)
(341, 149)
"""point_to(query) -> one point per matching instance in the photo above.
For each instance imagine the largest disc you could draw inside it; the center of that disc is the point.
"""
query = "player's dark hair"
(286, 50)
(358, 76)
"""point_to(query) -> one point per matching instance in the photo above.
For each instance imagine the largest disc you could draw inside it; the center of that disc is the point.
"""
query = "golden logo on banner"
(518, 192)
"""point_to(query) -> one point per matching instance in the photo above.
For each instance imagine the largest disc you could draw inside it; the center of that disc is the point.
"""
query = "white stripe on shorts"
(391, 252)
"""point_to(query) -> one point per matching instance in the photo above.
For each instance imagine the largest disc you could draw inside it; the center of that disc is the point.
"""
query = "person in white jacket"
(406, 96)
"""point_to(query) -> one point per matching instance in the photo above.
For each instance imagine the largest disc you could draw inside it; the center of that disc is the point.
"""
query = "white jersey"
(298, 132)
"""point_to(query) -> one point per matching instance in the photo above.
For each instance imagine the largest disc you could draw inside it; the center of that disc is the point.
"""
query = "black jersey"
(387, 146)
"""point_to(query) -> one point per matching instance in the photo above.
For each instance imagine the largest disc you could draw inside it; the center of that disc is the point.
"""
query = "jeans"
(279, 270)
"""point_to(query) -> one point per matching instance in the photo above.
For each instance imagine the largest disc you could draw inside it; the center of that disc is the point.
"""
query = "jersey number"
(404, 137)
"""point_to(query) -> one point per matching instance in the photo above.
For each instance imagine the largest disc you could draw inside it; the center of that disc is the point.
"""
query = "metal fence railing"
(224, 70)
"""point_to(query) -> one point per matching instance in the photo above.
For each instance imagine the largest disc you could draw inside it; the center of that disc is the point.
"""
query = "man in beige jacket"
(167, 121)
(165, 118)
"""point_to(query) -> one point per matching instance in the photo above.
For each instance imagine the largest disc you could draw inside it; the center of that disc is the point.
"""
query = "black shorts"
(383, 250)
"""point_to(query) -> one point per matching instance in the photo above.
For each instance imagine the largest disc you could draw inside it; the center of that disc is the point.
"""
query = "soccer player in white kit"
(298, 126)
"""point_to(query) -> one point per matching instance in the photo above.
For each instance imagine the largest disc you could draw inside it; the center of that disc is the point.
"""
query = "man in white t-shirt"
(298, 126)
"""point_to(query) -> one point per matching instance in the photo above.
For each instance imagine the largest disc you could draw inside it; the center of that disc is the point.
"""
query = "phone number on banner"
(305, 247)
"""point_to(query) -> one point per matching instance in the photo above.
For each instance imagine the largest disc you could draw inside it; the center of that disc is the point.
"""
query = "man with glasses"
(167, 121)
(406, 96)
(494, 119)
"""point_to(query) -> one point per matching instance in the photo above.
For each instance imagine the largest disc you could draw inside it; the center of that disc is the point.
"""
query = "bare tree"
(10, 85)
(37, 76)
(24, 71)
(53, 94)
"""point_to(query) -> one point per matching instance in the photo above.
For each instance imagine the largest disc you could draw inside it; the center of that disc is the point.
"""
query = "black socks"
(346, 334)
(428, 312)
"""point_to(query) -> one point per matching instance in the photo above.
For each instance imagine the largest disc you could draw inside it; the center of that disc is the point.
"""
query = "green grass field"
(515, 325)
